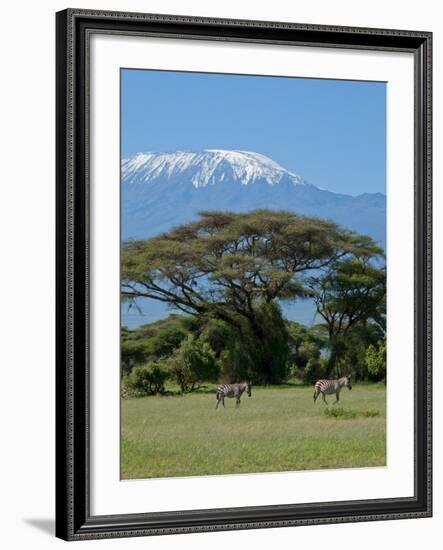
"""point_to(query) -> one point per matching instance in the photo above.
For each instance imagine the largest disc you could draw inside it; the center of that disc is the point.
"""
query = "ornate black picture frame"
(74, 520)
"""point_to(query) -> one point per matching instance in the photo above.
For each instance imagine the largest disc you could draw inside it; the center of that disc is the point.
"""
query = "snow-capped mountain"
(161, 190)
(205, 168)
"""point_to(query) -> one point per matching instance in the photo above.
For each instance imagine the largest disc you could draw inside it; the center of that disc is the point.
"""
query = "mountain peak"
(206, 167)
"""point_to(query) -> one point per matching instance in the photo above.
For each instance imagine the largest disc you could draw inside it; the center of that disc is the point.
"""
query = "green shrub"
(376, 360)
(193, 363)
(151, 342)
(339, 412)
(133, 353)
(147, 379)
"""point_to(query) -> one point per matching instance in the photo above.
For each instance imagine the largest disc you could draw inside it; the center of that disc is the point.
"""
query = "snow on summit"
(205, 168)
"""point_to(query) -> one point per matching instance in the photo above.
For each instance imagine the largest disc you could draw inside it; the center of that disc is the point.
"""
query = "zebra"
(232, 390)
(324, 387)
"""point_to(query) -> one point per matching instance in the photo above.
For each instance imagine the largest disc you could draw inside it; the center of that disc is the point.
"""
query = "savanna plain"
(278, 429)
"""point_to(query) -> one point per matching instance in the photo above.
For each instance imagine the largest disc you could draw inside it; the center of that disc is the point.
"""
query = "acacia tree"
(351, 292)
(233, 266)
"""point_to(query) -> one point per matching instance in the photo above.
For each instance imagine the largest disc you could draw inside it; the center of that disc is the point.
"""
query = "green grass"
(278, 429)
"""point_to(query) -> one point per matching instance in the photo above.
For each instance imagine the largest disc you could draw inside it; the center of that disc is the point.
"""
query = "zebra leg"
(218, 402)
(237, 403)
(223, 401)
(315, 396)
(324, 397)
(337, 395)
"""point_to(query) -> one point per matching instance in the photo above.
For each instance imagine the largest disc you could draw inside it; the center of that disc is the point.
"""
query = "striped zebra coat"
(232, 390)
(328, 387)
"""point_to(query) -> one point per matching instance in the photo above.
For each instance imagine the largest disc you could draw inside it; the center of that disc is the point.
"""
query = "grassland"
(278, 429)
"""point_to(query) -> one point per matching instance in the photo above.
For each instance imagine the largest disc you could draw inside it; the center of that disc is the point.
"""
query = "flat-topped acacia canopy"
(225, 263)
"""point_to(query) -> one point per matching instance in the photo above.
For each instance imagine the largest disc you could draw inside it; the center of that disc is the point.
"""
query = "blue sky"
(330, 132)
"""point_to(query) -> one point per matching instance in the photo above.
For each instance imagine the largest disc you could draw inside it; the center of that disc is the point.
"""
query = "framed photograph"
(243, 274)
